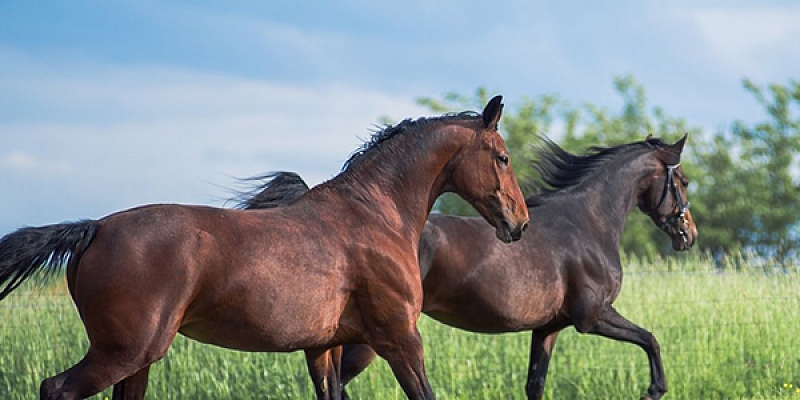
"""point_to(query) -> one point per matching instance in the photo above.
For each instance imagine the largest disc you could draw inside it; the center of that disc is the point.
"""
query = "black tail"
(45, 250)
(275, 190)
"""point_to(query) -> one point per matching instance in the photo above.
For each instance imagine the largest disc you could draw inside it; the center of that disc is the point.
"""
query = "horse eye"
(503, 159)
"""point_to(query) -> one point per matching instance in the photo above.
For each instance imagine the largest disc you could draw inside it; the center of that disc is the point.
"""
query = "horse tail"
(275, 190)
(42, 250)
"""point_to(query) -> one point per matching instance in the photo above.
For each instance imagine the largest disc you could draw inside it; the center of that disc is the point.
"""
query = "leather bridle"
(678, 217)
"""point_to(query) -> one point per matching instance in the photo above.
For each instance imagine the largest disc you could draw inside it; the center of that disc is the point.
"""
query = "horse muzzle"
(683, 235)
(507, 234)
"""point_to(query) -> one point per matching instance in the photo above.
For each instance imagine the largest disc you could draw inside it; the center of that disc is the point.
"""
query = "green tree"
(723, 183)
(750, 186)
(772, 147)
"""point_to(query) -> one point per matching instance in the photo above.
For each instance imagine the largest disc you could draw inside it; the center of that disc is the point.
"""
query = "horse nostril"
(525, 227)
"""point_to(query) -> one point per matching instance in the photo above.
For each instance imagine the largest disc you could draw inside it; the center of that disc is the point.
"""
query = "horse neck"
(612, 193)
(402, 189)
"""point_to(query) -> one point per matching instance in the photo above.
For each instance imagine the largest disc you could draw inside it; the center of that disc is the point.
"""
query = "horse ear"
(492, 112)
(678, 146)
(649, 136)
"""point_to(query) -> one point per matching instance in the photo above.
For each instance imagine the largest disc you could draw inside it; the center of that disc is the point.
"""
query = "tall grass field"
(731, 335)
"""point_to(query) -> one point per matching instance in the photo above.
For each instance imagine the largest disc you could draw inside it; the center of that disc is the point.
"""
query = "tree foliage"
(750, 179)
(744, 189)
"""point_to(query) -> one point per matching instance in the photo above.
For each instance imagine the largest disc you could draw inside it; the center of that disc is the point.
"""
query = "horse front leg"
(614, 326)
(403, 351)
(542, 343)
(389, 307)
(324, 369)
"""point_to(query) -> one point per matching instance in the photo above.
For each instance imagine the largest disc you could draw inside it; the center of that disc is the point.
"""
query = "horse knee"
(650, 339)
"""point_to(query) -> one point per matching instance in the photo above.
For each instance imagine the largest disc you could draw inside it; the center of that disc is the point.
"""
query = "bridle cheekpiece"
(678, 217)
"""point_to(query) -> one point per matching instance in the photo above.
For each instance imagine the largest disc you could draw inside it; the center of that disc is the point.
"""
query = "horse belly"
(483, 318)
(276, 332)
(267, 320)
(494, 311)
(531, 306)
(256, 340)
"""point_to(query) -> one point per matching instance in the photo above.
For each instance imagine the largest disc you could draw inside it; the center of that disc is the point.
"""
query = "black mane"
(274, 189)
(560, 171)
(380, 138)
(280, 188)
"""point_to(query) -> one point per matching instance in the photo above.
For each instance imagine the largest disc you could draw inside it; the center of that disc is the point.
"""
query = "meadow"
(731, 335)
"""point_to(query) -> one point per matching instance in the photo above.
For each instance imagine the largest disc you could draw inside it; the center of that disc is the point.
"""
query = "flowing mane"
(381, 139)
(272, 190)
(562, 172)
(277, 189)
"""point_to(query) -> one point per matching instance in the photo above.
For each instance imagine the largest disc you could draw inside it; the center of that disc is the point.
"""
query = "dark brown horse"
(338, 265)
(566, 271)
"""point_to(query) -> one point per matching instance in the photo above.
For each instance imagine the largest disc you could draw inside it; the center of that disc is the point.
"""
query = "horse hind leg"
(323, 367)
(121, 349)
(344, 364)
(132, 387)
(94, 373)
(331, 371)
(355, 359)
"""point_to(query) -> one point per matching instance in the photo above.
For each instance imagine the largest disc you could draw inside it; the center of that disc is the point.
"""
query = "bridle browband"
(679, 216)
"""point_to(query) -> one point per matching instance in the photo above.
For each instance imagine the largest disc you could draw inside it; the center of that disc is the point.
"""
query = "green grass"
(722, 336)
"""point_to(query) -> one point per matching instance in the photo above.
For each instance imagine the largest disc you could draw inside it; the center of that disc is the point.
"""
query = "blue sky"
(109, 105)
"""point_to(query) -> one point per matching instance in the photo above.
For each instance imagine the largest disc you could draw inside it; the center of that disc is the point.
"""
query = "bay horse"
(338, 265)
(566, 271)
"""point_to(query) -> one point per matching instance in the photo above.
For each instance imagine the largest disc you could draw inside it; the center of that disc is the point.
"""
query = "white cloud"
(750, 37)
(21, 161)
(18, 160)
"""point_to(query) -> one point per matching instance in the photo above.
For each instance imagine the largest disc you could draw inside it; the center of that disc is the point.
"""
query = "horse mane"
(562, 172)
(381, 138)
(275, 189)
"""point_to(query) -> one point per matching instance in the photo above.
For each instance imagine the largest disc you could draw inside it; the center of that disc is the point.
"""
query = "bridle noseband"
(679, 216)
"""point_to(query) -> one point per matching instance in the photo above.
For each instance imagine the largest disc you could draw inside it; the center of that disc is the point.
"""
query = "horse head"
(482, 174)
(664, 196)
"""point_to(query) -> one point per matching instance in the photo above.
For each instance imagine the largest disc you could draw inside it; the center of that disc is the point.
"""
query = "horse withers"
(338, 265)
